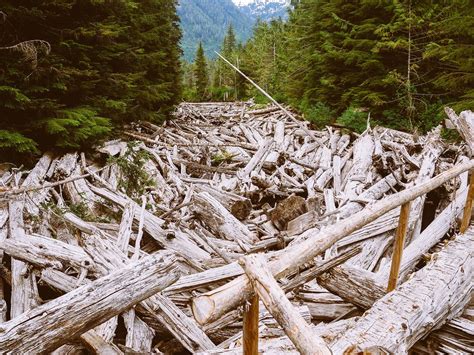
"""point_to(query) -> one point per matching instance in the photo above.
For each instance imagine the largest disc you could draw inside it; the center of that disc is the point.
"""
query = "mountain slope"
(207, 21)
(264, 9)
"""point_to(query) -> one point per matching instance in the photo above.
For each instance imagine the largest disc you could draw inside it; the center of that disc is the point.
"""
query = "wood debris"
(159, 242)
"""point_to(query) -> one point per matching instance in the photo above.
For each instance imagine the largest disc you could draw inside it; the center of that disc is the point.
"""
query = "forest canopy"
(73, 71)
(338, 61)
(98, 64)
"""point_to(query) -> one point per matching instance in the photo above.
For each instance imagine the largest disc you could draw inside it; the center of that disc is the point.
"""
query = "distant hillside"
(264, 9)
(207, 21)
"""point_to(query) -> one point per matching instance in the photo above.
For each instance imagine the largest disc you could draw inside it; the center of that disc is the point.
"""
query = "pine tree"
(110, 62)
(200, 73)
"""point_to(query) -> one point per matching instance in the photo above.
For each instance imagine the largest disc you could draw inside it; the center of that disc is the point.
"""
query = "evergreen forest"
(73, 71)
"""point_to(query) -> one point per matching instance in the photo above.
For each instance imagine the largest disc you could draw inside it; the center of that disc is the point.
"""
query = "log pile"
(160, 241)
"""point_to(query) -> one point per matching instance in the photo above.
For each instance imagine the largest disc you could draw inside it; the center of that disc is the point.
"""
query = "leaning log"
(435, 294)
(56, 322)
(210, 306)
(281, 308)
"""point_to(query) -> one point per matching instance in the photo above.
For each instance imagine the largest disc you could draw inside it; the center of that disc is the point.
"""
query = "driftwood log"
(51, 325)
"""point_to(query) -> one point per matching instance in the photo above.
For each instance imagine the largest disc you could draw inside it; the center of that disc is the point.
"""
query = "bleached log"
(436, 293)
(109, 257)
(464, 124)
(362, 161)
(35, 178)
(125, 230)
(280, 307)
(221, 221)
(211, 306)
(97, 344)
(47, 252)
(205, 278)
(431, 235)
(24, 294)
(139, 334)
(153, 226)
(432, 149)
(363, 288)
(48, 326)
(311, 219)
(257, 160)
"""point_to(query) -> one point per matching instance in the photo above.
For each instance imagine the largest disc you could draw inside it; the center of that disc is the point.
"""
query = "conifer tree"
(200, 73)
(110, 62)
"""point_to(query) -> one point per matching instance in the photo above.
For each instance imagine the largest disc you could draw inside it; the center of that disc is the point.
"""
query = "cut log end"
(202, 308)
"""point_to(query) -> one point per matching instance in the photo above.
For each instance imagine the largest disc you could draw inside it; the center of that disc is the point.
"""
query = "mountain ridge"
(208, 20)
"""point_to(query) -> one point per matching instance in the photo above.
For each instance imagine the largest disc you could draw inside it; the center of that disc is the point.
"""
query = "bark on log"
(280, 307)
(436, 293)
(210, 306)
(54, 323)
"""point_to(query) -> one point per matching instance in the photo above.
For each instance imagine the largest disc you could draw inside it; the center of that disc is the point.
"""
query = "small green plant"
(222, 157)
(134, 179)
(319, 114)
(81, 210)
(355, 119)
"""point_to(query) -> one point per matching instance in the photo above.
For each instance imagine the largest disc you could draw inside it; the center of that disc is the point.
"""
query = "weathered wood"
(47, 252)
(287, 210)
(434, 294)
(108, 257)
(48, 326)
(399, 245)
(24, 294)
(153, 226)
(464, 124)
(280, 307)
(363, 288)
(220, 220)
(209, 307)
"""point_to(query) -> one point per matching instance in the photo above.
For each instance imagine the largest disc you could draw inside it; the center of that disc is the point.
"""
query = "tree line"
(337, 61)
(110, 63)
(72, 72)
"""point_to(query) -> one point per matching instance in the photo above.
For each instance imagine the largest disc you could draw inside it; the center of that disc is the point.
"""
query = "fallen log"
(435, 294)
(210, 306)
(48, 326)
(280, 307)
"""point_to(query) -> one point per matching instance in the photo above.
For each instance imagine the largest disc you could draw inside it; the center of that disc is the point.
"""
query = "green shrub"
(355, 119)
(319, 114)
(134, 180)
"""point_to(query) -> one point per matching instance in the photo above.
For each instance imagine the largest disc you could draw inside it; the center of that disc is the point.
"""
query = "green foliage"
(12, 98)
(319, 114)
(134, 180)
(200, 73)
(111, 62)
(400, 60)
(222, 157)
(206, 21)
(75, 128)
(354, 119)
(16, 142)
